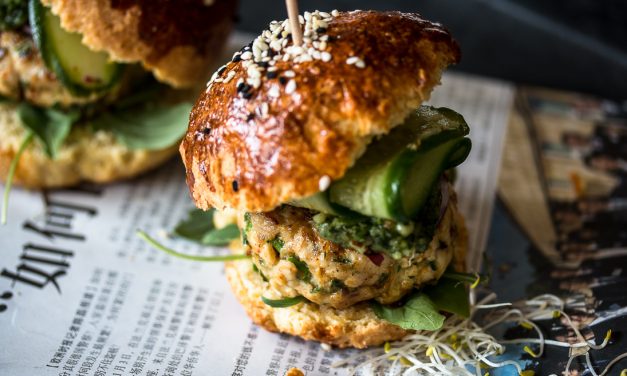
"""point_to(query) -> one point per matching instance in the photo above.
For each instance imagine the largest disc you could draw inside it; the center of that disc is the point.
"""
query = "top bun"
(176, 40)
(279, 122)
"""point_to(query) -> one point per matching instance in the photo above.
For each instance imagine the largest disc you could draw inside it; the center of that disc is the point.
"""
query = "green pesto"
(381, 235)
(13, 14)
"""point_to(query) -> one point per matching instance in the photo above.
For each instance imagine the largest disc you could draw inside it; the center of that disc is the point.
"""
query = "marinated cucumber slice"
(395, 176)
(320, 203)
(80, 69)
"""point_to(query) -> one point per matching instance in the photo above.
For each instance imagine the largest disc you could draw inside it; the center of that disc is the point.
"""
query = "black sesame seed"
(282, 80)
(251, 116)
(221, 70)
(243, 87)
(289, 37)
(206, 130)
(321, 30)
(264, 64)
(236, 58)
(272, 74)
(247, 95)
(235, 186)
(271, 52)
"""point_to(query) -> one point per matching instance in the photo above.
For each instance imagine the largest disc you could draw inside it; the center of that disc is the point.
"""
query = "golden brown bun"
(85, 156)
(176, 40)
(355, 326)
(237, 158)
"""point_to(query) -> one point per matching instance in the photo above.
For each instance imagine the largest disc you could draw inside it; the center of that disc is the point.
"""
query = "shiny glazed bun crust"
(177, 40)
(259, 139)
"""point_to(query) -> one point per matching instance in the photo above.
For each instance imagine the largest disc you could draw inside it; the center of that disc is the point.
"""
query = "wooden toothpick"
(292, 13)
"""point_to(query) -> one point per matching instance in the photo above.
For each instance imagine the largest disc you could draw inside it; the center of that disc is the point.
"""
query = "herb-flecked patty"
(290, 253)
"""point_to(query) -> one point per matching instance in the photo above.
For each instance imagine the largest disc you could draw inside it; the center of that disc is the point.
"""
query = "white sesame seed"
(301, 19)
(324, 15)
(253, 71)
(325, 56)
(290, 87)
(360, 64)
(324, 183)
(229, 76)
(274, 91)
(335, 13)
(325, 346)
(264, 109)
(246, 55)
(289, 74)
(352, 60)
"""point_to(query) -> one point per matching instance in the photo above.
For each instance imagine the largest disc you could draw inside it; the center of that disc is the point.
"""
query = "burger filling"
(384, 232)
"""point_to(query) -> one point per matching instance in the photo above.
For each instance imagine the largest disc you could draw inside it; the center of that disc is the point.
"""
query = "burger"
(100, 90)
(338, 178)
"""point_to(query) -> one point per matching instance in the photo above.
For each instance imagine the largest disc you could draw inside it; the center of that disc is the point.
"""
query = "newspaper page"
(81, 294)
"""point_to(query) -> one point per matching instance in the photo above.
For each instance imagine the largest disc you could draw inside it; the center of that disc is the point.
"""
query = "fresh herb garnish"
(418, 313)
(51, 126)
(449, 296)
(184, 256)
(303, 270)
(198, 227)
(221, 236)
(150, 128)
(282, 303)
(9, 181)
(472, 279)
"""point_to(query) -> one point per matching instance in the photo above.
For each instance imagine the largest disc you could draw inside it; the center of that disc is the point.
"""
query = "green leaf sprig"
(51, 126)
(198, 227)
(9, 181)
(418, 313)
(283, 303)
(185, 256)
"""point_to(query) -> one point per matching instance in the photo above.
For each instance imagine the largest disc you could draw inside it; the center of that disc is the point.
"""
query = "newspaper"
(81, 294)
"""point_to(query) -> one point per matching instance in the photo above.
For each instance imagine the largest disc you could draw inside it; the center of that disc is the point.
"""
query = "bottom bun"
(355, 326)
(86, 155)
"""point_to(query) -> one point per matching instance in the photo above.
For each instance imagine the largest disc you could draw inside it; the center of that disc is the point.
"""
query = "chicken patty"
(290, 254)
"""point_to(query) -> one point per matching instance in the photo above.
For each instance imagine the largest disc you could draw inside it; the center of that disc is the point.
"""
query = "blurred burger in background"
(100, 90)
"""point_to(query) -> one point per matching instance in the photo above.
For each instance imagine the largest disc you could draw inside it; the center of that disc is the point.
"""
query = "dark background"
(571, 44)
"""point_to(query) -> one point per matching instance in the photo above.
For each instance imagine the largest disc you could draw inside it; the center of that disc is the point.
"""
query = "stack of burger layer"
(339, 178)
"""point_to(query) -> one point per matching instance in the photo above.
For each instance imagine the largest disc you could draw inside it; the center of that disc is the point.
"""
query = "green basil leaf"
(282, 303)
(149, 128)
(449, 296)
(418, 313)
(196, 226)
(221, 236)
(51, 126)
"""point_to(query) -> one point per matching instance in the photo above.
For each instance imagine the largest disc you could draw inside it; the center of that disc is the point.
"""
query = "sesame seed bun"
(266, 133)
(177, 40)
(85, 156)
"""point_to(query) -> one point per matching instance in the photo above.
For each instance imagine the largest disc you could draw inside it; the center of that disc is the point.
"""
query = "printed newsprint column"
(81, 294)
